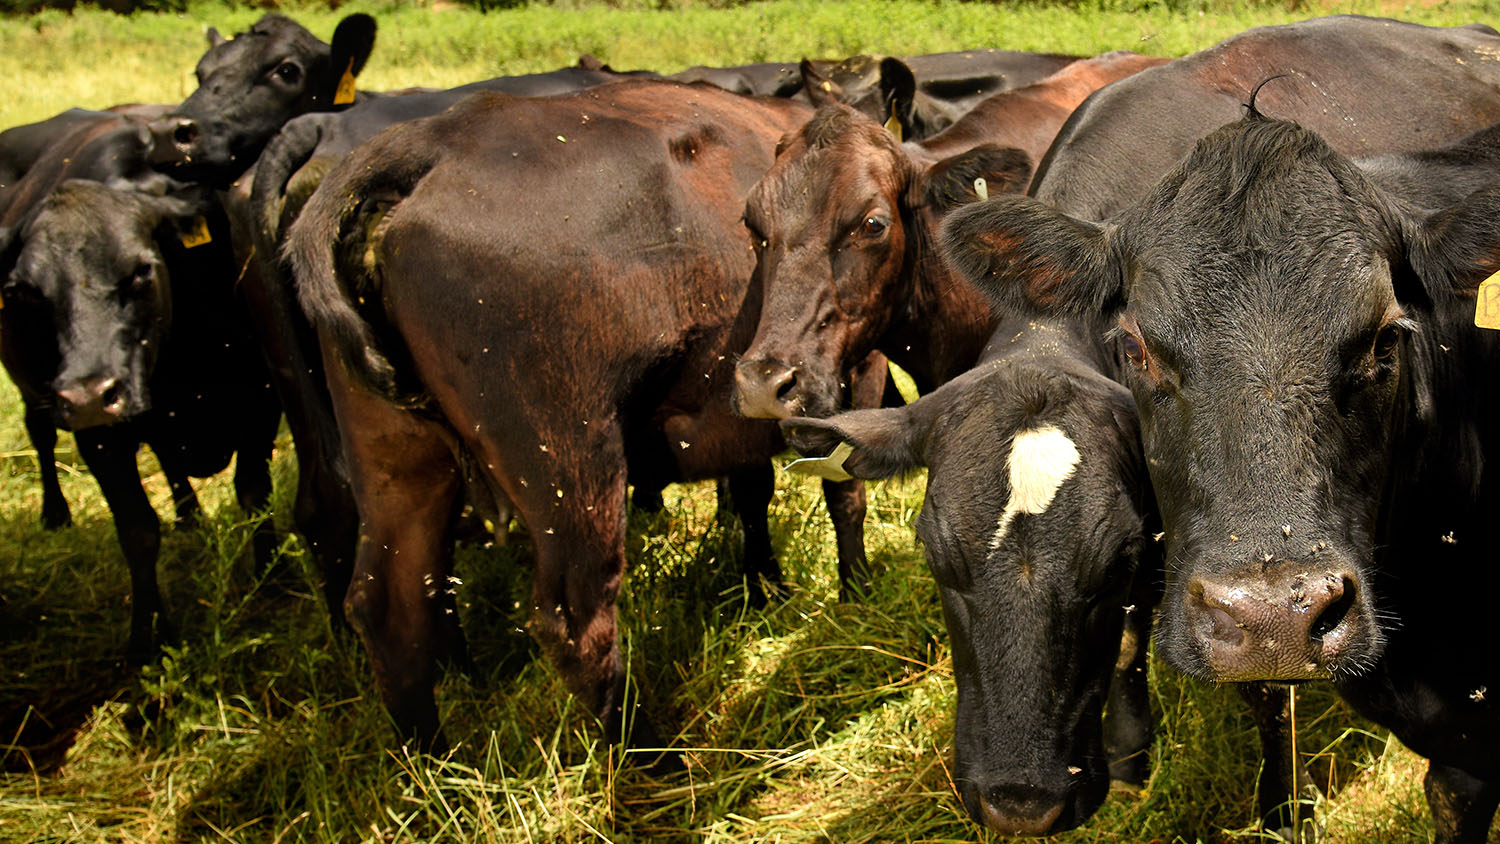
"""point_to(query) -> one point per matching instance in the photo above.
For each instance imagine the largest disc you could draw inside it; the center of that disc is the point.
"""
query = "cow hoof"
(55, 520)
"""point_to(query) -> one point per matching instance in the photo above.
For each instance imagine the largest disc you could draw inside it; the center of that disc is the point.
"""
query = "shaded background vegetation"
(810, 721)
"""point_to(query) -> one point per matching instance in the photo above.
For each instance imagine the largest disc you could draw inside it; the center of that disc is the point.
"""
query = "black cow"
(120, 322)
(925, 94)
(1035, 522)
(104, 147)
(1315, 412)
(542, 345)
(250, 85)
(21, 146)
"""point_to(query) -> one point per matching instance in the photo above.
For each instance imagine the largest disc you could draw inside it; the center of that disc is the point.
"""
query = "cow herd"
(1196, 342)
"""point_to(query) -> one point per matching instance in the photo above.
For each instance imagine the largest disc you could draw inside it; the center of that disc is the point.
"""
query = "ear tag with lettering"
(981, 189)
(345, 93)
(893, 125)
(197, 235)
(829, 468)
(1487, 304)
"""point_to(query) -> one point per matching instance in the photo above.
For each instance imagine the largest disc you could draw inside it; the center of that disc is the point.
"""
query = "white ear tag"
(981, 189)
(829, 468)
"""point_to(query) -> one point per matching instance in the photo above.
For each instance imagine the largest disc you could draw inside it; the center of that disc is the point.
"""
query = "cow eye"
(874, 226)
(1135, 350)
(1386, 341)
(288, 72)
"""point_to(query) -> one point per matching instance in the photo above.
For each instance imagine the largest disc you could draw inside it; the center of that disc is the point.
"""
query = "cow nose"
(1021, 810)
(92, 402)
(175, 140)
(1292, 623)
(765, 389)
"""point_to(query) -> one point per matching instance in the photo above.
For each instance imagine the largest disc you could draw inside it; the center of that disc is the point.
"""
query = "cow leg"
(1284, 781)
(184, 499)
(1462, 806)
(750, 491)
(110, 456)
(43, 434)
(406, 484)
(252, 481)
(1127, 715)
(846, 507)
(580, 563)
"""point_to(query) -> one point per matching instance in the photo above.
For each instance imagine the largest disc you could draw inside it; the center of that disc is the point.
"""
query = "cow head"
(250, 85)
(1032, 526)
(837, 225)
(1271, 304)
(85, 303)
(882, 88)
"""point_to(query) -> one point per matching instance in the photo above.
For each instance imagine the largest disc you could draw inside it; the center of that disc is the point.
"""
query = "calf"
(541, 346)
(249, 85)
(1311, 394)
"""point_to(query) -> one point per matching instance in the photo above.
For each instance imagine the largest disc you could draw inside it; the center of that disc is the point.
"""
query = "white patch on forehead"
(1041, 460)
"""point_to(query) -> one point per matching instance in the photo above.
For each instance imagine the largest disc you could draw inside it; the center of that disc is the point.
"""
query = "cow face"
(1268, 299)
(1032, 529)
(834, 225)
(86, 301)
(250, 85)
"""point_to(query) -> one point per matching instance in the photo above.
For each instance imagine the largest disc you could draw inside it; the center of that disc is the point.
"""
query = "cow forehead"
(818, 181)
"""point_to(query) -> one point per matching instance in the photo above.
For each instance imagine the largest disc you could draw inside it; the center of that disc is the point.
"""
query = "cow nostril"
(788, 383)
(185, 133)
(1224, 628)
(1343, 593)
(110, 395)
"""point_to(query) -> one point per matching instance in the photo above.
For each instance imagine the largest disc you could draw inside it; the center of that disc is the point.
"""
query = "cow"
(21, 146)
(249, 85)
(120, 323)
(1021, 450)
(541, 346)
(847, 220)
(106, 147)
(925, 94)
(1313, 407)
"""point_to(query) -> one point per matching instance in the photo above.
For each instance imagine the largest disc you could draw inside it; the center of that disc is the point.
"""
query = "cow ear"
(820, 89)
(898, 93)
(1455, 249)
(885, 442)
(950, 182)
(353, 39)
(1028, 257)
(214, 38)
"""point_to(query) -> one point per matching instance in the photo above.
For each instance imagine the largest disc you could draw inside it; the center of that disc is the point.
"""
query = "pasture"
(808, 721)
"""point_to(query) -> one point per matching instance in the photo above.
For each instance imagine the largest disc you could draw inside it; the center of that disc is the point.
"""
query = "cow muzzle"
(175, 140)
(768, 389)
(1019, 809)
(1291, 622)
(92, 402)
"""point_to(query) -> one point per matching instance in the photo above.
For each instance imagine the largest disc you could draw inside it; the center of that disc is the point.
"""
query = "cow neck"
(940, 332)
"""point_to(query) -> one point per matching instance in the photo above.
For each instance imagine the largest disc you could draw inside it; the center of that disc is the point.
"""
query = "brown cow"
(535, 308)
(847, 222)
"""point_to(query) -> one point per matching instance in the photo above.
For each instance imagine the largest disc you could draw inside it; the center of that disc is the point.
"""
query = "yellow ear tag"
(345, 93)
(827, 86)
(829, 468)
(1487, 305)
(197, 235)
(905, 384)
(893, 125)
(981, 189)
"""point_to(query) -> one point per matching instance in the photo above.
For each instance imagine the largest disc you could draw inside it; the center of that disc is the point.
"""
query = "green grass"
(811, 721)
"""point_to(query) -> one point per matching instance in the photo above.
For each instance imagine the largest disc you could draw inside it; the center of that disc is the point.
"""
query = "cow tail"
(328, 288)
(286, 153)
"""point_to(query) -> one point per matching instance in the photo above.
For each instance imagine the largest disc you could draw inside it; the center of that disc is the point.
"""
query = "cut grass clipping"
(808, 721)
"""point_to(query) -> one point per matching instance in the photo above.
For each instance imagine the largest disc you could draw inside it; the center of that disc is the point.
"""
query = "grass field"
(807, 722)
